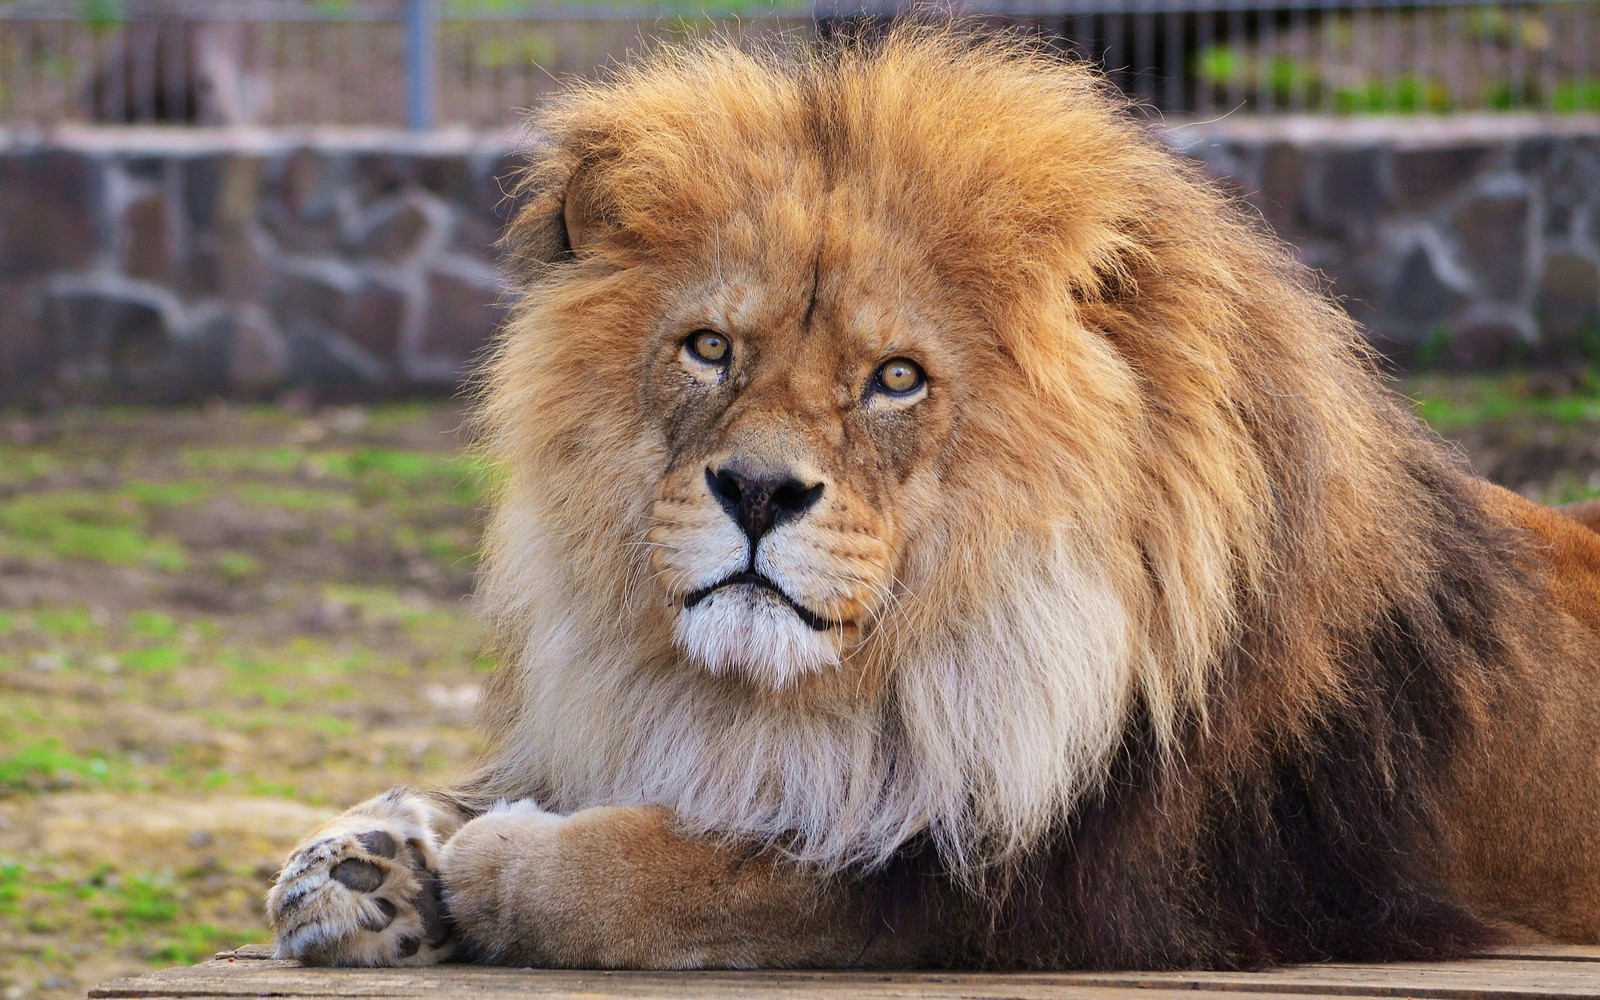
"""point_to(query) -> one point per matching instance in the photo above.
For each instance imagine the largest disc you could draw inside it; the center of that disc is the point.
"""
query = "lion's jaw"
(754, 628)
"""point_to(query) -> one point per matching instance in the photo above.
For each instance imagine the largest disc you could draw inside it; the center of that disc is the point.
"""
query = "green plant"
(102, 15)
(1576, 95)
(1405, 94)
(1221, 65)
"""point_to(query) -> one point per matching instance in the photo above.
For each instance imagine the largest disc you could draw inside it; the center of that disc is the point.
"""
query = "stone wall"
(169, 266)
(1464, 242)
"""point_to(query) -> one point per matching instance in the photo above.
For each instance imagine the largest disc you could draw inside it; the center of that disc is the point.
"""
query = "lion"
(940, 528)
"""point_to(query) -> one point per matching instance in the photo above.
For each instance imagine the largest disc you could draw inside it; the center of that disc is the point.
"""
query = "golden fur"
(1150, 523)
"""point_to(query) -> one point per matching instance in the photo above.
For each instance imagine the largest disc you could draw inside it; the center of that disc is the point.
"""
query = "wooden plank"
(1475, 980)
(258, 977)
(251, 971)
(1548, 952)
(1536, 952)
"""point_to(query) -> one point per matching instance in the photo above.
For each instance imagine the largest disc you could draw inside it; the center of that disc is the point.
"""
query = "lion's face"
(803, 428)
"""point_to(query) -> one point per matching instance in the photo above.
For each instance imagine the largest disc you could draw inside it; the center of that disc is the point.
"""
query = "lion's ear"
(561, 212)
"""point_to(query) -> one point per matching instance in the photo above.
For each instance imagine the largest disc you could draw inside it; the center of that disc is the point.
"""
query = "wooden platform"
(251, 972)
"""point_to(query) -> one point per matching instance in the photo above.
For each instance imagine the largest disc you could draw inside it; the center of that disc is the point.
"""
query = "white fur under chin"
(749, 630)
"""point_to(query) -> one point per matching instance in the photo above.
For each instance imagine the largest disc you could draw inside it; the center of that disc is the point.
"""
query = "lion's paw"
(363, 891)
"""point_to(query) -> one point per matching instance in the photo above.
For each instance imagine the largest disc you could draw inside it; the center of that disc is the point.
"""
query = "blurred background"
(247, 257)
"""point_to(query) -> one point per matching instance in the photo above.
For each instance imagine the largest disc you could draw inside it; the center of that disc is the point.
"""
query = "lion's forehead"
(956, 162)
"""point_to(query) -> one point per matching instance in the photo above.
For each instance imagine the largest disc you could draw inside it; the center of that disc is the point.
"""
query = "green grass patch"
(237, 565)
(293, 498)
(232, 461)
(58, 623)
(1573, 491)
(153, 660)
(258, 690)
(452, 548)
(188, 944)
(388, 472)
(169, 494)
(138, 900)
(46, 765)
(18, 465)
(11, 876)
(153, 625)
(330, 725)
(248, 664)
(1463, 402)
(102, 527)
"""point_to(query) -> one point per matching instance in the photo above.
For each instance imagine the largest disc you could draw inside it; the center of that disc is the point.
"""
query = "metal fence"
(478, 62)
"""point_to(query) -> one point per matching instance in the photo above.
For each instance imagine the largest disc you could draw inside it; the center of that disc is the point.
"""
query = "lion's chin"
(752, 631)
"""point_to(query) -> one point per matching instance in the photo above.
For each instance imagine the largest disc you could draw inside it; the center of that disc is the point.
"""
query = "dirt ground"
(218, 626)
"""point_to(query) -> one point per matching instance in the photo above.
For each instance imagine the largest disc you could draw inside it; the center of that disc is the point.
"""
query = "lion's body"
(1029, 570)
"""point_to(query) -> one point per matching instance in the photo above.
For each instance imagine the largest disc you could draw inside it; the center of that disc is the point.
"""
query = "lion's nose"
(760, 503)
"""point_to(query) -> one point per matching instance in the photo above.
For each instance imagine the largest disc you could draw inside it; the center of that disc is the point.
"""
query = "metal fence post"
(420, 56)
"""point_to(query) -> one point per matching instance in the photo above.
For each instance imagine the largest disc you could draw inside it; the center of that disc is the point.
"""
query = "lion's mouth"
(753, 579)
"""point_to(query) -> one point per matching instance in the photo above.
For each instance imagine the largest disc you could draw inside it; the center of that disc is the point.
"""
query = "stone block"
(362, 309)
(51, 209)
(392, 231)
(119, 345)
(447, 177)
(29, 357)
(1418, 296)
(373, 316)
(1573, 178)
(257, 355)
(1226, 161)
(328, 365)
(295, 293)
(1558, 220)
(462, 315)
(1483, 344)
(221, 191)
(147, 167)
(302, 205)
(1284, 168)
(1349, 193)
(1534, 154)
(375, 176)
(1424, 177)
(146, 250)
(477, 235)
(1492, 232)
(1567, 304)
(228, 267)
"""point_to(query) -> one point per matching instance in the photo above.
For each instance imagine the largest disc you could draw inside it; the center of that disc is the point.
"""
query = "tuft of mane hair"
(1212, 614)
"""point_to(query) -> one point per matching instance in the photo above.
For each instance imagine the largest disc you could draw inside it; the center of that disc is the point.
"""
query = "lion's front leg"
(615, 887)
(363, 889)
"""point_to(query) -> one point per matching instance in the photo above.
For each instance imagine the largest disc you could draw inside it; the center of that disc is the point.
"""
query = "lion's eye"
(708, 346)
(899, 377)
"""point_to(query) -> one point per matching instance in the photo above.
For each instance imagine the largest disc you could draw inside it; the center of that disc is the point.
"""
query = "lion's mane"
(1208, 611)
